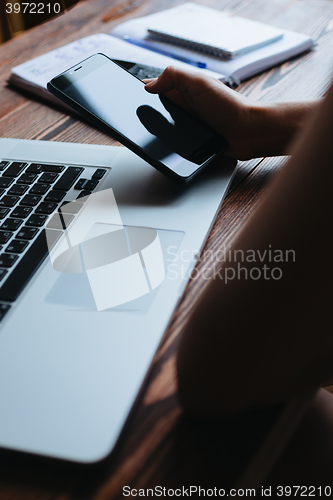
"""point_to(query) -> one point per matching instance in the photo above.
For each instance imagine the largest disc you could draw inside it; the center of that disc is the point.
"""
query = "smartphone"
(152, 126)
(141, 71)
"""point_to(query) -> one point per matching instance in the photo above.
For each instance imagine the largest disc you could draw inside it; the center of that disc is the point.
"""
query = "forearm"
(273, 127)
(257, 341)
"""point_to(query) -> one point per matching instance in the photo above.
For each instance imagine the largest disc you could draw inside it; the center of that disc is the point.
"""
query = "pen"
(188, 60)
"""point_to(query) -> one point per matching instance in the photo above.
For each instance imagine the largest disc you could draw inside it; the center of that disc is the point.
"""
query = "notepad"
(214, 32)
(129, 41)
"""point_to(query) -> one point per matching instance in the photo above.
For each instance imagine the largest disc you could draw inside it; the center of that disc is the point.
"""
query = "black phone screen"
(161, 129)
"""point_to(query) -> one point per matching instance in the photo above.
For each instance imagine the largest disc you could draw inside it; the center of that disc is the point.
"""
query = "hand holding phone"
(152, 126)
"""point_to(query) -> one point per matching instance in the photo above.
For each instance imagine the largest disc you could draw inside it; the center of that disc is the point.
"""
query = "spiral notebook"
(244, 65)
(208, 30)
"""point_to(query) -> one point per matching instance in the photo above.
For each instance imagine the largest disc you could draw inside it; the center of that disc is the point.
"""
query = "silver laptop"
(96, 250)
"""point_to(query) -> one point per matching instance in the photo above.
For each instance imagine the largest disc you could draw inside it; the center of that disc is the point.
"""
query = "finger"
(173, 78)
(148, 80)
(173, 95)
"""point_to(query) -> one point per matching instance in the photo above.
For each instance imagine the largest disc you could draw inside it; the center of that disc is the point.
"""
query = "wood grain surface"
(159, 446)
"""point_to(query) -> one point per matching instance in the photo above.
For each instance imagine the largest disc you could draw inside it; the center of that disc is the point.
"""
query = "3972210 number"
(33, 8)
(304, 491)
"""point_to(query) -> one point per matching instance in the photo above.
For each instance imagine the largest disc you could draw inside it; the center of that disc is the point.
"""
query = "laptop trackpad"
(121, 269)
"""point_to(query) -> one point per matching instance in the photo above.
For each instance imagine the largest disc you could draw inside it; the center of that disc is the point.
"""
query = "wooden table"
(159, 446)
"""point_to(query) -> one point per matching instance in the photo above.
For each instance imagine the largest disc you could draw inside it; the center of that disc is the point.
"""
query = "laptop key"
(39, 188)
(52, 237)
(5, 182)
(91, 185)
(60, 221)
(36, 220)
(4, 308)
(18, 189)
(22, 273)
(55, 196)
(8, 260)
(3, 212)
(11, 224)
(38, 168)
(3, 165)
(27, 178)
(8, 201)
(20, 212)
(46, 208)
(3, 273)
(83, 194)
(100, 172)
(72, 207)
(15, 169)
(48, 177)
(27, 233)
(30, 200)
(80, 184)
(5, 236)
(67, 180)
(17, 246)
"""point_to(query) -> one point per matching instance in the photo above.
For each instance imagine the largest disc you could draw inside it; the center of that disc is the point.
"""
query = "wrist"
(274, 126)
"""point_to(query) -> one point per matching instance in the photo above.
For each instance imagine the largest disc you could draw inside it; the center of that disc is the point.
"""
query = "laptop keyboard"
(29, 194)
(142, 71)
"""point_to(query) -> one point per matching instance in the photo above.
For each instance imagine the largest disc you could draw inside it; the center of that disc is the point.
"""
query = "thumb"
(148, 80)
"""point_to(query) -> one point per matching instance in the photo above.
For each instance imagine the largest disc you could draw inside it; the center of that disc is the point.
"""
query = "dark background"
(12, 24)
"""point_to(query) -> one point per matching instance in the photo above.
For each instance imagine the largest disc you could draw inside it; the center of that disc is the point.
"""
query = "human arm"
(256, 342)
(252, 129)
